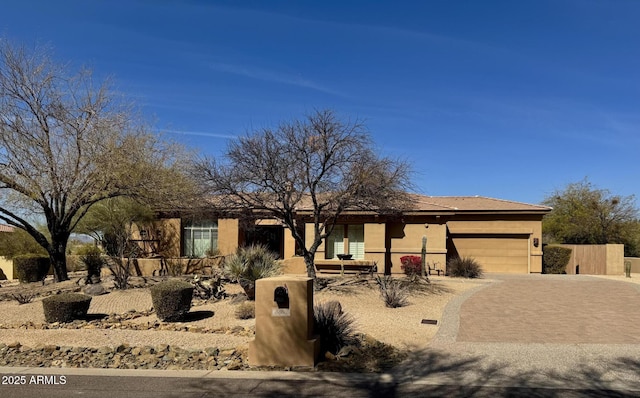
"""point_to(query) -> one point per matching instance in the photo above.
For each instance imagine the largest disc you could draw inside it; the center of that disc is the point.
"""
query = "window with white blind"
(355, 234)
(199, 238)
(335, 242)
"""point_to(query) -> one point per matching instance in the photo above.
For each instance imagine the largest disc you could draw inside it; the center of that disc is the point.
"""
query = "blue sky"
(509, 99)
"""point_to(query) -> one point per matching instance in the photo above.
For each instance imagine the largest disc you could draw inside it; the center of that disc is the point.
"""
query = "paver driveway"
(569, 309)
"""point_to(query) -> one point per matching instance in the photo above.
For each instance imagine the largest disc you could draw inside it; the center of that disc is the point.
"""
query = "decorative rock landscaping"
(120, 321)
(123, 357)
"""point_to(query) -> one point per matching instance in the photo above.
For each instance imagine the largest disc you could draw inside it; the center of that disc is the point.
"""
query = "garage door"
(496, 253)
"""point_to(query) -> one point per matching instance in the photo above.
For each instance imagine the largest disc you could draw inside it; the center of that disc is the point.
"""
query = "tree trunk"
(58, 256)
(311, 269)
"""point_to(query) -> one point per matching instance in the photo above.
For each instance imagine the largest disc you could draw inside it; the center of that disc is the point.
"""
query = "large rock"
(94, 290)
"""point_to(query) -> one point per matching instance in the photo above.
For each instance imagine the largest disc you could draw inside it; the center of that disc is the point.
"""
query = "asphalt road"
(87, 383)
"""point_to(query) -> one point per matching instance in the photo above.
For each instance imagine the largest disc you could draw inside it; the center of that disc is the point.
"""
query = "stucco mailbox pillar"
(284, 323)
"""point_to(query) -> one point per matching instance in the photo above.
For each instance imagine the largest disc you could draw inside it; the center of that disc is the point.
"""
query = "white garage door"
(496, 253)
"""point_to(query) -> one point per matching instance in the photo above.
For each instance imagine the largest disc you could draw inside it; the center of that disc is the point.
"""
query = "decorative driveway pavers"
(548, 331)
(552, 309)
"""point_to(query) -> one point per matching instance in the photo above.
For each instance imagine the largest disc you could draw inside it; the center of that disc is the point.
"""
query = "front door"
(271, 236)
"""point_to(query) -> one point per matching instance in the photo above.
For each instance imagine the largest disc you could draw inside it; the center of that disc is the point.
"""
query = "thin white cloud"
(271, 76)
(200, 133)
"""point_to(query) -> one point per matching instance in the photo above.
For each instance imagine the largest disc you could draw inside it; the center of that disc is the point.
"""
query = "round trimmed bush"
(31, 267)
(66, 307)
(172, 299)
(555, 259)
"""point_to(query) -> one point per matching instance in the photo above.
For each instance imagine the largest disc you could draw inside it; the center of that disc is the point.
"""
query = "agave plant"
(249, 264)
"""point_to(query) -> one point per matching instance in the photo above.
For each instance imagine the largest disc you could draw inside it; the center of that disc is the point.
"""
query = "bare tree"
(321, 163)
(66, 144)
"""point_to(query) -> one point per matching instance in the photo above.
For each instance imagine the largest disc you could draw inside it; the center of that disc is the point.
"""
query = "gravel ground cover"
(122, 331)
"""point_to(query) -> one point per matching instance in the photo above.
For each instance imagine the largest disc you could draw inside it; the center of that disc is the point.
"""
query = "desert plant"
(172, 299)
(464, 267)
(31, 267)
(250, 264)
(246, 310)
(393, 292)
(333, 325)
(209, 288)
(66, 307)
(24, 297)
(74, 264)
(91, 257)
(555, 259)
(411, 265)
(171, 266)
(212, 252)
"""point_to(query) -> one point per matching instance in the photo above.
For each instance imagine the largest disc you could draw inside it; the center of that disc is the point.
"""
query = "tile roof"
(445, 204)
(472, 203)
(6, 228)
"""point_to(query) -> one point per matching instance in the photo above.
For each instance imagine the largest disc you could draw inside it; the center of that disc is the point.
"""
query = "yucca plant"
(333, 325)
(393, 292)
(249, 264)
(464, 267)
(24, 297)
(91, 257)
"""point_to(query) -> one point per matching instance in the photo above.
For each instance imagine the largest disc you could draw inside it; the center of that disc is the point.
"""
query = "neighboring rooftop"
(6, 228)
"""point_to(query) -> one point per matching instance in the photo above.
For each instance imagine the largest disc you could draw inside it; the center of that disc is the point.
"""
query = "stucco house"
(502, 235)
(6, 266)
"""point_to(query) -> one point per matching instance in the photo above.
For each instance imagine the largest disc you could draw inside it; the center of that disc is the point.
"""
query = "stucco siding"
(6, 266)
(406, 239)
(228, 235)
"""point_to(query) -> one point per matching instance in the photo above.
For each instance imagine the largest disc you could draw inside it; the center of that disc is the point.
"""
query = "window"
(199, 238)
(356, 240)
(335, 242)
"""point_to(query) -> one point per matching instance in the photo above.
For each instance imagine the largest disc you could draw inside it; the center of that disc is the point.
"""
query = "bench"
(434, 268)
(346, 266)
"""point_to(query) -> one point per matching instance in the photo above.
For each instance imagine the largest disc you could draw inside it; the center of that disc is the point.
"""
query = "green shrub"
(555, 259)
(393, 292)
(74, 264)
(31, 267)
(17, 243)
(66, 307)
(246, 310)
(464, 267)
(333, 325)
(91, 257)
(172, 299)
(250, 264)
